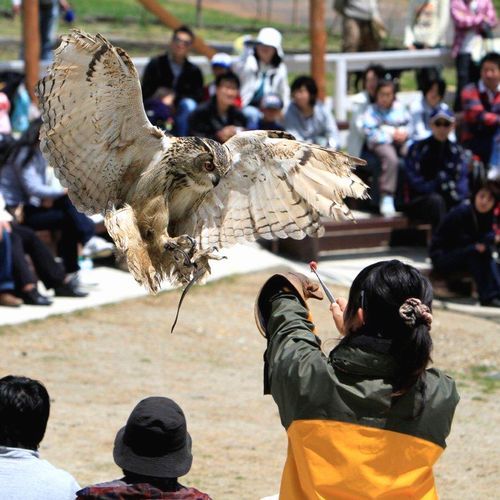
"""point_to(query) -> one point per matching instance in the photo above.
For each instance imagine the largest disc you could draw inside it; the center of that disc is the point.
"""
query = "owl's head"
(207, 161)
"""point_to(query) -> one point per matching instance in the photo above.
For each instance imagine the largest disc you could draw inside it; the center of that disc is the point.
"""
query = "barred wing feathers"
(276, 187)
(95, 132)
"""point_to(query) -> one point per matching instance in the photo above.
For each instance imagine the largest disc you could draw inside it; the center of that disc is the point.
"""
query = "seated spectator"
(270, 107)
(7, 297)
(220, 64)
(385, 125)
(433, 92)
(160, 109)
(262, 71)
(26, 242)
(174, 71)
(464, 242)
(153, 450)
(473, 21)
(16, 273)
(481, 105)
(360, 102)
(24, 183)
(436, 172)
(219, 119)
(24, 412)
(308, 119)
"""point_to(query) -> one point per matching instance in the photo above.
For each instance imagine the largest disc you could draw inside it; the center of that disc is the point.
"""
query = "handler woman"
(369, 420)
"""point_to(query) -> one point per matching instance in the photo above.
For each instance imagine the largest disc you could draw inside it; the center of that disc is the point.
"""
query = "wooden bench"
(369, 231)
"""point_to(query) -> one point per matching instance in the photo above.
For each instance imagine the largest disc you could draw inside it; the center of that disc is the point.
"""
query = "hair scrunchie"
(413, 313)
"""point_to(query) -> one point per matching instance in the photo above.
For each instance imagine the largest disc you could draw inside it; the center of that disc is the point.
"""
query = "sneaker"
(70, 289)
(387, 208)
(35, 298)
(97, 247)
(9, 300)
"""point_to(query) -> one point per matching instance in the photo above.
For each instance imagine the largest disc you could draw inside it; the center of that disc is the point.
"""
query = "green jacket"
(348, 436)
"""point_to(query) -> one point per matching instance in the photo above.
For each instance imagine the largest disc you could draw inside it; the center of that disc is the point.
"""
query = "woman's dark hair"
(309, 83)
(24, 412)
(493, 186)
(378, 69)
(29, 142)
(228, 77)
(184, 29)
(428, 84)
(380, 290)
(385, 83)
(275, 61)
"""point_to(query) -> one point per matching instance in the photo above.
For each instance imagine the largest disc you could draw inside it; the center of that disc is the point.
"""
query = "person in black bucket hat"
(153, 450)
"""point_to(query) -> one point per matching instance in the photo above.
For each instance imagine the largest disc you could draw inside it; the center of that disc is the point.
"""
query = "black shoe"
(491, 303)
(70, 289)
(35, 298)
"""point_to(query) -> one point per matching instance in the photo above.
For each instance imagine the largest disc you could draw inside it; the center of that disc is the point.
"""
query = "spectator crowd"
(425, 160)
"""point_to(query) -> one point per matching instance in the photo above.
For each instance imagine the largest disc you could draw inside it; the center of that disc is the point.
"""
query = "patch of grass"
(487, 377)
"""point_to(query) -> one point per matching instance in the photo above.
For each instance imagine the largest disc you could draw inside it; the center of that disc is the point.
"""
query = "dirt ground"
(98, 363)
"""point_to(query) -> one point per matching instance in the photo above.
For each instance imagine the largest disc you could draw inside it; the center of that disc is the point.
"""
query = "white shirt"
(25, 476)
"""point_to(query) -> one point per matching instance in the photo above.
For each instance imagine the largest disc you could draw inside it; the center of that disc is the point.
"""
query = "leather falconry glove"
(295, 283)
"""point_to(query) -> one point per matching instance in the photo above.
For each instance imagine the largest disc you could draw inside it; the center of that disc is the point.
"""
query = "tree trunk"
(318, 44)
(31, 40)
(199, 14)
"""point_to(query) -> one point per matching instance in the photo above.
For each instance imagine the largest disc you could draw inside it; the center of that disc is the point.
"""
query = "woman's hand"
(337, 309)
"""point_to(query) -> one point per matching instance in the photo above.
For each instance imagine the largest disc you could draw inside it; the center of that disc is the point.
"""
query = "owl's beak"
(215, 179)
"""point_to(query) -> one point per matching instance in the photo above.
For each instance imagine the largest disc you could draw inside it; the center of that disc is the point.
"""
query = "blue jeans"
(75, 228)
(482, 266)
(48, 25)
(184, 108)
(6, 279)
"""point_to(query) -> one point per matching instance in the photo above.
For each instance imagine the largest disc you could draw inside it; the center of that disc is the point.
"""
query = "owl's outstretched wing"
(95, 132)
(276, 187)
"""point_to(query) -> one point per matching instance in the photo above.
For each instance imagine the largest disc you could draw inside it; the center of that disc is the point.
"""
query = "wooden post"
(295, 13)
(317, 33)
(31, 41)
(172, 22)
(199, 14)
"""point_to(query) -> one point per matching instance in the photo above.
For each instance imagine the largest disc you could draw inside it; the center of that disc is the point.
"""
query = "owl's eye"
(209, 166)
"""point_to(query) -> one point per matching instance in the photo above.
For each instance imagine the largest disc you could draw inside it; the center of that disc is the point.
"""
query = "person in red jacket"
(481, 105)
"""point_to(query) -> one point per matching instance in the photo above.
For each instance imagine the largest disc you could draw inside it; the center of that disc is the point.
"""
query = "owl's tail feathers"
(122, 227)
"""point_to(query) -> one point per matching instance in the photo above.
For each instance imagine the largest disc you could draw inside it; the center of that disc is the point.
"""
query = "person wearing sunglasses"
(173, 70)
(436, 172)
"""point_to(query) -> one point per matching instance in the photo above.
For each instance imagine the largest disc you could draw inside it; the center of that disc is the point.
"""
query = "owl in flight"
(169, 203)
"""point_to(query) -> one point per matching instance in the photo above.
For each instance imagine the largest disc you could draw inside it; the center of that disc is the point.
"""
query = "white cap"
(272, 37)
(221, 59)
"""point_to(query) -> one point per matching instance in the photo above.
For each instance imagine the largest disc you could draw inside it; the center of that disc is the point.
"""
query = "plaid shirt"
(119, 490)
(480, 113)
(465, 19)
